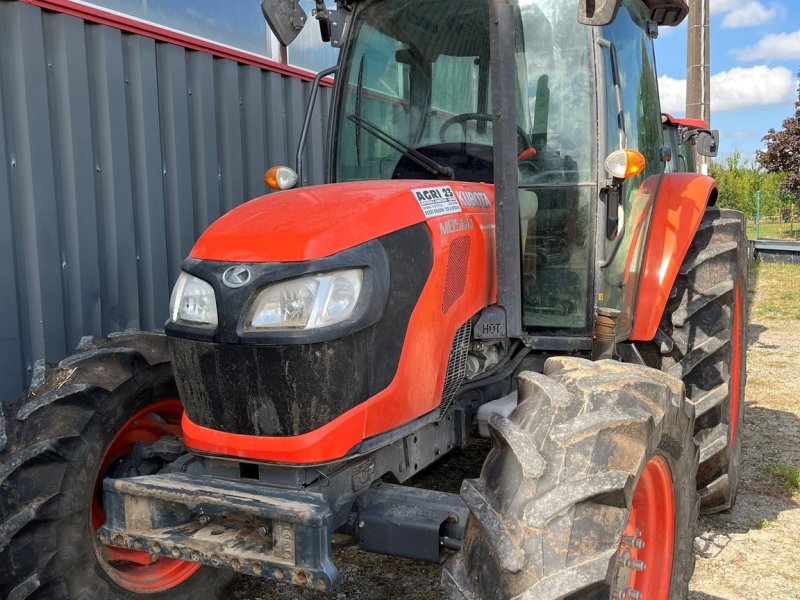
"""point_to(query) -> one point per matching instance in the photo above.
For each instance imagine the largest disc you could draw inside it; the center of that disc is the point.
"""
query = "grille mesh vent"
(456, 278)
(456, 366)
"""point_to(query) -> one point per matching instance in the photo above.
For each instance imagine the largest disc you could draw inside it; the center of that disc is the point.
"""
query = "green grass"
(766, 524)
(780, 299)
(774, 231)
(790, 476)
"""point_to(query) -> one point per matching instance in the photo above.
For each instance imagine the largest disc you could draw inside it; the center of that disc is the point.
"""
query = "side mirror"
(598, 12)
(707, 143)
(285, 18)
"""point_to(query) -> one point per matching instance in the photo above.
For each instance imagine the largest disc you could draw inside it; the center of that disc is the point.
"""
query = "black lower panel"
(292, 389)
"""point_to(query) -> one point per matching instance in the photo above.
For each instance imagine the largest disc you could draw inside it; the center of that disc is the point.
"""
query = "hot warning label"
(437, 201)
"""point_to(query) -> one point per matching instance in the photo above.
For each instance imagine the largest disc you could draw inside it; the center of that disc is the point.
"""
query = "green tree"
(740, 180)
(782, 154)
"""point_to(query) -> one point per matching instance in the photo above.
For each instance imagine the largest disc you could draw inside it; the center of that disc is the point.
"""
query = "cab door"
(637, 127)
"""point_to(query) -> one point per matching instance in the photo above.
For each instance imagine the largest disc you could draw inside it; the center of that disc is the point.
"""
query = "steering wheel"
(546, 166)
(550, 176)
(463, 118)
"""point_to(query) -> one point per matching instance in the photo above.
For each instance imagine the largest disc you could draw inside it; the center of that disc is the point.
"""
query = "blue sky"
(755, 57)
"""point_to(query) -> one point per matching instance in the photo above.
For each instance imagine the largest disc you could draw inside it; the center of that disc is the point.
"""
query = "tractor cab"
(415, 83)
(416, 99)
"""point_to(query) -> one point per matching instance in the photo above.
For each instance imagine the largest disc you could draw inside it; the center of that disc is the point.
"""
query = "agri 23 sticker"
(437, 201)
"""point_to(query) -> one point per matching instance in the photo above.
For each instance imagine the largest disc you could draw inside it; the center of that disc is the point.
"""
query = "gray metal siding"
(116, 151)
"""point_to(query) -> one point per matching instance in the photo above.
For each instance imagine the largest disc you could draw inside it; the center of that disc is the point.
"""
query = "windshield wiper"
(359, 95)
(423, 161)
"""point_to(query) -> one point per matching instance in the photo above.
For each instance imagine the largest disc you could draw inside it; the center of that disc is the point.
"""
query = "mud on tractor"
(501, 250)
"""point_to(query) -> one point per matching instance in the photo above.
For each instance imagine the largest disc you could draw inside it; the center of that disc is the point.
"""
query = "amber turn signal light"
(280, 178)
(624, 164)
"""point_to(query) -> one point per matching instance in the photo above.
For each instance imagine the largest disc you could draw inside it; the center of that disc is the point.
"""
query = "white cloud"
(775, 46)
(736, 89)
(738, 14)
(751, 14)
(720, 6)
(673, 95)
(751, 87)
(670, 31)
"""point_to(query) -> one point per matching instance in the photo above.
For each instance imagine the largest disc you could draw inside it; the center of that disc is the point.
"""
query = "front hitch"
(282, 535)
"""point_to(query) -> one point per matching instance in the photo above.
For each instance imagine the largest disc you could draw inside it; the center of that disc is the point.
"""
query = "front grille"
(456, 366)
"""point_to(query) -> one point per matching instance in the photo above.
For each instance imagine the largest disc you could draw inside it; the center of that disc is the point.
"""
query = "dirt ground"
(751, 552)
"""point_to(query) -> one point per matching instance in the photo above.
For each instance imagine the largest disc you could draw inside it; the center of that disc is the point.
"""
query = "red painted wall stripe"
(163, 34)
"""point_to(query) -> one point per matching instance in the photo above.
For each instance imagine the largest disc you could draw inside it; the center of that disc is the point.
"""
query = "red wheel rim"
(131, 569)
(736, 366)
(648, 543)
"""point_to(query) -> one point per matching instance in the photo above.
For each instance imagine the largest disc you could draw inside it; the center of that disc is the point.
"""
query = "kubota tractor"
(501, 251)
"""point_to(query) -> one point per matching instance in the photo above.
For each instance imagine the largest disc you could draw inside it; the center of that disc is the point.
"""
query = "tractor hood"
(319, 221)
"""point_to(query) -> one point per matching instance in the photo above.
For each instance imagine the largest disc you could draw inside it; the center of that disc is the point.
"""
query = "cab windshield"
(416, 104)
(418, 73)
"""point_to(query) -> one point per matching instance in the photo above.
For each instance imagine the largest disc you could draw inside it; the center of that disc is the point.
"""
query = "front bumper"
(283, 535)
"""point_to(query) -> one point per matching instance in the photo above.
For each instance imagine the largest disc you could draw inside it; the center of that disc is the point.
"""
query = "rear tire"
(572, 469)
(702, 340)
(54, 442)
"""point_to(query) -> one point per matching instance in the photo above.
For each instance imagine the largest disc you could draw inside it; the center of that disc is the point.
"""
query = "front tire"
(77, 424)
(588, 490)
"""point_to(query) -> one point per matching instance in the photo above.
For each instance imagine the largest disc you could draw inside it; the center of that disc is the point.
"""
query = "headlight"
(306, 302)
(193, 302)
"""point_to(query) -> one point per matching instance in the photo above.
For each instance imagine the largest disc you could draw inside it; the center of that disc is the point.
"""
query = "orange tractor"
(502, 251)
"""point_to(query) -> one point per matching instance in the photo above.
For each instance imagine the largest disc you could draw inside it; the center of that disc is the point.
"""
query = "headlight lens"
(306, 302)
(193, 302)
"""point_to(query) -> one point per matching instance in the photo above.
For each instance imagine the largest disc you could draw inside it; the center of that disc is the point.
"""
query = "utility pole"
(698, 67)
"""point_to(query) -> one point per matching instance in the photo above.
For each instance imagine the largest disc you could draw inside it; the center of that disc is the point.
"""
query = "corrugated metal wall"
(116, 151)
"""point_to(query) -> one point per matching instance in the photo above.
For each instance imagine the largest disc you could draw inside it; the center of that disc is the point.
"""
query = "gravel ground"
(750, 552)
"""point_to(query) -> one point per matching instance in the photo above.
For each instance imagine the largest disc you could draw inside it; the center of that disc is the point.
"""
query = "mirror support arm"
(312, 100)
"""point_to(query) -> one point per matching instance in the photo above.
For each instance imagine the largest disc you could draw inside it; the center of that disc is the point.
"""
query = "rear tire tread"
(695, 344)
(687, 308)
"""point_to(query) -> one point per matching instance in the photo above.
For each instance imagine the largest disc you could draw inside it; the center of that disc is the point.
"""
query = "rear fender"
(681, 201)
